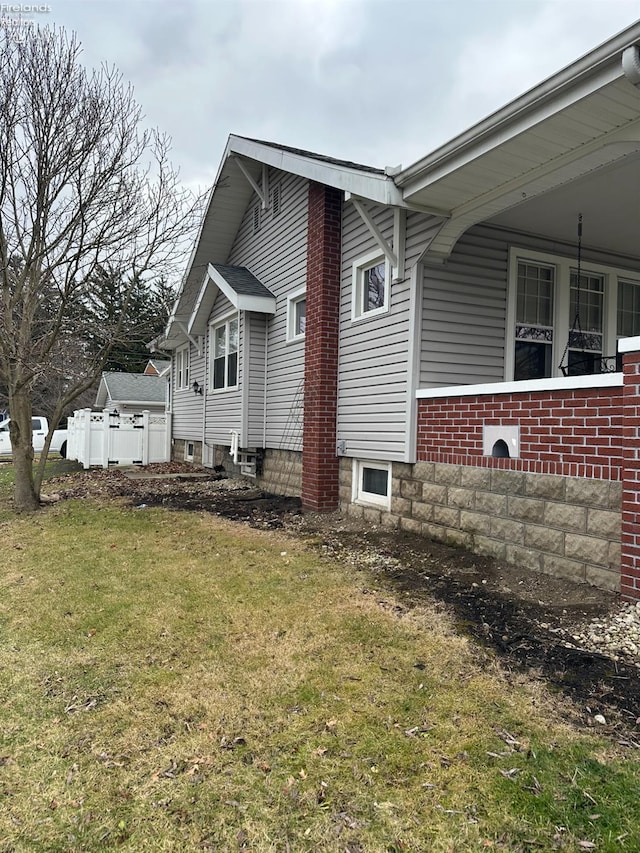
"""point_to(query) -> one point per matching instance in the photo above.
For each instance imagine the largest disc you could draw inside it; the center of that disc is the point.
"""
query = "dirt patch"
(527, 619)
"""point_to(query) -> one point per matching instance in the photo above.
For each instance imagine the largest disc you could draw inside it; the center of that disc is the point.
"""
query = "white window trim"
(188, 457)
(224, 320)
(183, 354)
(358, 495)
(292, 301)
(561, 319)
(359, 266)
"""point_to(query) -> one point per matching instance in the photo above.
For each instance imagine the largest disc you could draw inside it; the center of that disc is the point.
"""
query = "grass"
(171, 681)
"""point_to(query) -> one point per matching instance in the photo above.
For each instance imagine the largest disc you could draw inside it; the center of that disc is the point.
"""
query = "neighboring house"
(131, 393)
(157, 367)
(427, 347)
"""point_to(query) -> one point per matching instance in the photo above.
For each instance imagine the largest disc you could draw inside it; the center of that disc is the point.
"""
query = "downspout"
(266, 361)
(204, 400)
(413, 362)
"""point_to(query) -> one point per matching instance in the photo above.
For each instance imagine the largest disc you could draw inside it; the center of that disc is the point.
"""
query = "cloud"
(375, 81)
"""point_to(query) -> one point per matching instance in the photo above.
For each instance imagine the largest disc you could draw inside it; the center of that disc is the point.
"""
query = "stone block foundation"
(555, 525)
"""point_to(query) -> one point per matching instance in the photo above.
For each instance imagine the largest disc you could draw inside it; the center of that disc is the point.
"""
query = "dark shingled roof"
(347, 164)
(242, 281)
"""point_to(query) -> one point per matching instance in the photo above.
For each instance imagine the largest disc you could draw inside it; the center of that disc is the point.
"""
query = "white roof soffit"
(197, 324)
(585, 117)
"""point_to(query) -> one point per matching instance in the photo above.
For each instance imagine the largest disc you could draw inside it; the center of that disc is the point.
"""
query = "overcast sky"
(381, 82)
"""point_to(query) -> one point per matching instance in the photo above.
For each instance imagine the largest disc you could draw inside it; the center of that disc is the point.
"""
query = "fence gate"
(109, 438)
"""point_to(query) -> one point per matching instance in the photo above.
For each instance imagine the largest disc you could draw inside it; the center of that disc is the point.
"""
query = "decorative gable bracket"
(197, 342)
(262, 189)
(395, 254)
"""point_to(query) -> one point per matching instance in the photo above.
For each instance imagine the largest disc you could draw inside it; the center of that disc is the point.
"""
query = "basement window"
(189, 452)
(372, 483)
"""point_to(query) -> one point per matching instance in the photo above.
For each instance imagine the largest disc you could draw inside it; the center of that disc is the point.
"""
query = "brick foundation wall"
(630, 562)
(574, 433)
(320, 464)
(563, 526)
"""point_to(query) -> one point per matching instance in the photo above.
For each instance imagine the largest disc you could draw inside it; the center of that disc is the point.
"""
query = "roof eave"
(595, 69)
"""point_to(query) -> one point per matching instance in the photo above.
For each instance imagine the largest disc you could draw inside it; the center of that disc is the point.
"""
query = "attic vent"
(275, 200)
(256, 218)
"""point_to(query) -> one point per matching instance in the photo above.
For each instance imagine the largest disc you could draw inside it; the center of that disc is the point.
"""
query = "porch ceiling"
(584, 119)
(608, 199)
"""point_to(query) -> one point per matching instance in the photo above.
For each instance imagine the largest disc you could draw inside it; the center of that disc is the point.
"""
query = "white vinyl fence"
(108, 438)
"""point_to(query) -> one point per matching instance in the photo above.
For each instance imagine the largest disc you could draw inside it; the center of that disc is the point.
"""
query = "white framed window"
(223, 368)
(371, 282)
(189, 451)
(544, 300)
(182, 367)
(371, 483)
(296, 315)
(628, 319)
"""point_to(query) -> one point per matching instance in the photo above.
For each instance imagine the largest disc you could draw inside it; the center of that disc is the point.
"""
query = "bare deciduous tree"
(82, 188)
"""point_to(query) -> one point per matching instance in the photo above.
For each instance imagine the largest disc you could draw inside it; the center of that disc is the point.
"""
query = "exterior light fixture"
(197, 389)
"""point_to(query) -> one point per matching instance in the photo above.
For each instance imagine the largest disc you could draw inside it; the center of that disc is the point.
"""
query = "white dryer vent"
(501, 441)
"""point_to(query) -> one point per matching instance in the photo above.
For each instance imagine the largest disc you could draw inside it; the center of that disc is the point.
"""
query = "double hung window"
(555, 318)
(224, 355)
(534, 321)
(182, 367)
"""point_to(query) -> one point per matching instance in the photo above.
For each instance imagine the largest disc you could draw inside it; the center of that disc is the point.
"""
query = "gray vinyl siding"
(373, 352)
(276, 254)
(464, 305)
(224, 407)
(187, 406)
(464, 312)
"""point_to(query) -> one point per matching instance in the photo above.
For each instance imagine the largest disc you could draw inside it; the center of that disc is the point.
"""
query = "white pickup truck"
(40, 427)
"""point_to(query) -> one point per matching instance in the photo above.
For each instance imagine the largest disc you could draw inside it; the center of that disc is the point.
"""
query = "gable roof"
(243, 290)
(133, 388)
(243, 159)
(580, 120)
(160, 365)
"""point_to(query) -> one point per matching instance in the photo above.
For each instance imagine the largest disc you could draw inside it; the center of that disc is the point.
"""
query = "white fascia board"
(590, 73)
(528, 386)
(102, 392)
(201, 228)
(378, 188)
(204, 303)
(241, 301)
(260, 304)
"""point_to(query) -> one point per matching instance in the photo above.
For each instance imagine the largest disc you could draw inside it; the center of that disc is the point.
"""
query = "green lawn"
(172, 681)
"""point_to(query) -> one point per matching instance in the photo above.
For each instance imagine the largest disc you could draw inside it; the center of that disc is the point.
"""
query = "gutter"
(579, 72)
